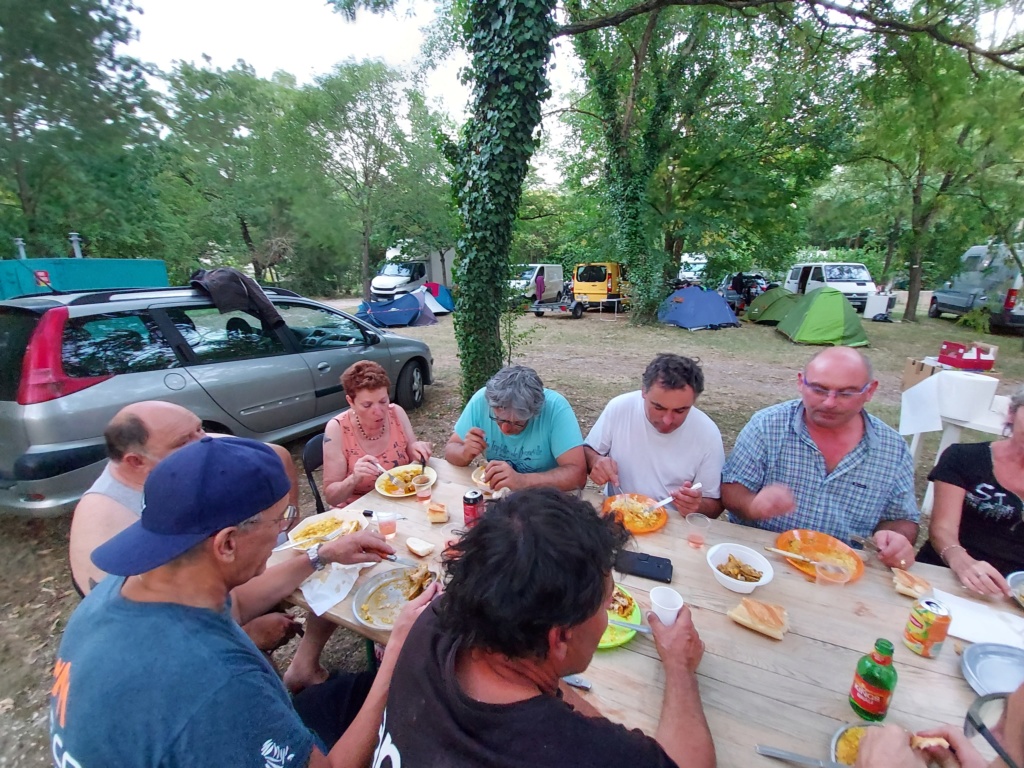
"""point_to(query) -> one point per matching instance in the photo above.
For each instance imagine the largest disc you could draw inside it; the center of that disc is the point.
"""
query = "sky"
(306, 38)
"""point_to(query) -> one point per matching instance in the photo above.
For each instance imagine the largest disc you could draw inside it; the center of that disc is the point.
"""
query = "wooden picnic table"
(792, 693)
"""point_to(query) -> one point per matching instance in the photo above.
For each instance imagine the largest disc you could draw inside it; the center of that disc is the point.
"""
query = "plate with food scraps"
(821, 547)
(323, 527)
(846, 742)
(405, 473)
(624, 608)
(377, 603)
(634, 510)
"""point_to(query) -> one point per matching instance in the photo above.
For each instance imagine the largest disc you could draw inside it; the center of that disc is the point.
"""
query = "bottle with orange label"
(874, 682)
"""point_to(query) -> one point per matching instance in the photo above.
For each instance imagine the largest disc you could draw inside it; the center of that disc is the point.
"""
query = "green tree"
(76, 134)
(224, 146)
(937, 126)
(352, 116)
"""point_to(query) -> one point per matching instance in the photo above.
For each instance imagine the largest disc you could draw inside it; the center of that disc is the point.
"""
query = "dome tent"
(694, 308)
(824, 316)
(771, 306)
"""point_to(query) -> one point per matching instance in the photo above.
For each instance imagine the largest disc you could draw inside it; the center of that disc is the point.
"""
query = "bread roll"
(923, 742)
(419, 546)
(761, 617)
(910, 585)
(437, 512)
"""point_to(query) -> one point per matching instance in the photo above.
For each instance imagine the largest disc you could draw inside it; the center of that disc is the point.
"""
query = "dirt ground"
(589, 360)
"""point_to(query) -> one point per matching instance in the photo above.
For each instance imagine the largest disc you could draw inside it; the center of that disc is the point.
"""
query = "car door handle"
(323, 367)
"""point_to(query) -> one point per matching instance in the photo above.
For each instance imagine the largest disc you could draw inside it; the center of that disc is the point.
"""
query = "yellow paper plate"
(411, 471)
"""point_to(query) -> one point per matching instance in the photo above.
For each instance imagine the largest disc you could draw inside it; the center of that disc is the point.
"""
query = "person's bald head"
(151, 429)
(835, 385)
(841, 361)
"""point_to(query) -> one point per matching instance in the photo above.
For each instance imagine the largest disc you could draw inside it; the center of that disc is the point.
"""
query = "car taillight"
(42, 372)
(1011, 299)
(609, 285)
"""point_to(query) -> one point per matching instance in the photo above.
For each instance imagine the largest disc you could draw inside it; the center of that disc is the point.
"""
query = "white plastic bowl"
(719, 554)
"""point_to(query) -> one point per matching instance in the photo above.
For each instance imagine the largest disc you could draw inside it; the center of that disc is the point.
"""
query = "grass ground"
(589, 360)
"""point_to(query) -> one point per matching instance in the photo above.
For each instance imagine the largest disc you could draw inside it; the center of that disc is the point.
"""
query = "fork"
(392, 478)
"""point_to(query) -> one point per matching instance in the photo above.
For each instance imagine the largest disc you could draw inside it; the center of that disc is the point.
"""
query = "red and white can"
(472, 507)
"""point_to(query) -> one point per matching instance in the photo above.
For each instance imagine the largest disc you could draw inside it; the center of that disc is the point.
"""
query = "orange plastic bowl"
(632, 524)
(822, 547)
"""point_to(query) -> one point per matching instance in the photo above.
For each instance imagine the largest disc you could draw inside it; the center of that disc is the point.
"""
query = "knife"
(792, 555)
(401, 560)
(578, 681)
(793, 757)
(643, 629)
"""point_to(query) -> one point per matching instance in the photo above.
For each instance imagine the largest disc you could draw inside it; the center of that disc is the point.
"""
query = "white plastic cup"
(387, 524)
(666, 603)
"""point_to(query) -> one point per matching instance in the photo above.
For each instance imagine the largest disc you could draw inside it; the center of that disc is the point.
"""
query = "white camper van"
(525, 282)
(851, 278)
(401, 274)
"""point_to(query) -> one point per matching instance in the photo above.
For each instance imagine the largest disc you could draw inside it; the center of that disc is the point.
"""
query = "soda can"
(927, 627)
(472, 507)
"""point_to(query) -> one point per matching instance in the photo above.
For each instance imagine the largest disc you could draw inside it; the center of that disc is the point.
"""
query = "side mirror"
(372, 338)
(949, 283)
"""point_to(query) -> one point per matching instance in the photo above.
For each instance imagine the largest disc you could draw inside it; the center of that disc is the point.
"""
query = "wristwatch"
(313, 553)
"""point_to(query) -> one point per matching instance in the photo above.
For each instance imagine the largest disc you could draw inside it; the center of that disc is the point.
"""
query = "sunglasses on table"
(982, 716)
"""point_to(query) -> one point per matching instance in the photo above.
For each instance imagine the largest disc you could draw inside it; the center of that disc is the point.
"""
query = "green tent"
(771, 306)
(824, 316)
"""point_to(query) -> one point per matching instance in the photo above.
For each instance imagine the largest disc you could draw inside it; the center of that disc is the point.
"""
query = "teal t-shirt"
(547, 436)
(162, 685)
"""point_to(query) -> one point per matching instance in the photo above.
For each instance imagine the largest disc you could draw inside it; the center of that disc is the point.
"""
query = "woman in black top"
(977, 525)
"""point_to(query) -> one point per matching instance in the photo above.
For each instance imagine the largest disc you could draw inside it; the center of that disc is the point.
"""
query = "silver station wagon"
(69, 362)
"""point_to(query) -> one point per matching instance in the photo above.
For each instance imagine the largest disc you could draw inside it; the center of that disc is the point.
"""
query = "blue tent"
(694, 308)
(443, 296)
(403, 310)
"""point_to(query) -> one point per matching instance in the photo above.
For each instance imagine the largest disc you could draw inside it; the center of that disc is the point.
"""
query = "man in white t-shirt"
(656, 442)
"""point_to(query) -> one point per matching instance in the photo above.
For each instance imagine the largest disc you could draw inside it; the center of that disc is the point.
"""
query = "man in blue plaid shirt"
(823, 463)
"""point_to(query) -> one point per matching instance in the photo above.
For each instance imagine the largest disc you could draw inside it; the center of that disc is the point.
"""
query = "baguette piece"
(419, 547)
(437, 512)
(923, 742)
(766, 618)
(910, 585)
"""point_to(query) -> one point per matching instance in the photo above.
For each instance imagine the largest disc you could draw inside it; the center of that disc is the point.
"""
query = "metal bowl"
(384, 588)
(1016, 582)
(838, 734)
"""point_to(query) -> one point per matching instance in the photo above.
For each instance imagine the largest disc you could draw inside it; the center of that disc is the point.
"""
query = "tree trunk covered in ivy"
(509, 42)
(633, 138)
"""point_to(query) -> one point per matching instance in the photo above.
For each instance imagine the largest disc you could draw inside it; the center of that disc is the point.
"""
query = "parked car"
(989, 278)
(754, 282)
(69, 362)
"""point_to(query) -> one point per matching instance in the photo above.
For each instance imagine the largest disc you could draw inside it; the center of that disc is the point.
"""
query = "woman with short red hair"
(374, 430)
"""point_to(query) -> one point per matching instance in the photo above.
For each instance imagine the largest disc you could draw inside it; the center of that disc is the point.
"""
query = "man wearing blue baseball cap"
(154, 671)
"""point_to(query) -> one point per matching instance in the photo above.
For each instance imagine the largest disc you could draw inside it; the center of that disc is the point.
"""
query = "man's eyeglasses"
(509, 422)
(840, 394)
(284, 523)
(983, 715)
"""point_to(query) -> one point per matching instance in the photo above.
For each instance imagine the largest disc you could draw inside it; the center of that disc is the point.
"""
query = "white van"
(851, 278)
(525, 282)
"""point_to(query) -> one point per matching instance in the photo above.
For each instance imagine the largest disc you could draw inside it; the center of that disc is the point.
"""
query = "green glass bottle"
(874, 682)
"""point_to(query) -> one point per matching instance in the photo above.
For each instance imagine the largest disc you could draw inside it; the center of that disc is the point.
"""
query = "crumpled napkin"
(326, 588)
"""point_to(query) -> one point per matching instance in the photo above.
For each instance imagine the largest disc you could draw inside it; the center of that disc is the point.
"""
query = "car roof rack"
(101, 295)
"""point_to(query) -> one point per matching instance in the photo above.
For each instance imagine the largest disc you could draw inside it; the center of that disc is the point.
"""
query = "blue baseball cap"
(189, 496)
